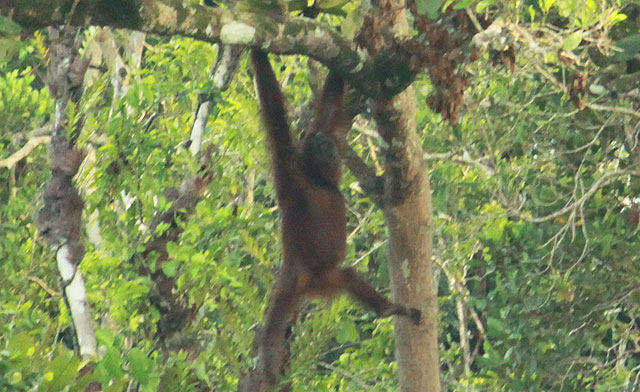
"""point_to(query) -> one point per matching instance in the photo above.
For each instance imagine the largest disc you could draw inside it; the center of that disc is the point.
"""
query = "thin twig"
(42, 284)
(594, 188)
(614, 109)
(460, 159)
(474, 20)
(464, 293)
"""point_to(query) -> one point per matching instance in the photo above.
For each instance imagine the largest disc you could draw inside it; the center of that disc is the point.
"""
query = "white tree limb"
(78, 308)
(11, 161)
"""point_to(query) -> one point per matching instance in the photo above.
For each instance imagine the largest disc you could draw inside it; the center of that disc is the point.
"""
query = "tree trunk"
(60, 219)
(407, 209)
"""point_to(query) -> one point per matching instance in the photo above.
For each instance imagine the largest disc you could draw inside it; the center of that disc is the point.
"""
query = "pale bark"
(279, 34)
(222, 74)
(79, 309)
(463, 331)
(291, 35)
(22, 153)
(407, 209)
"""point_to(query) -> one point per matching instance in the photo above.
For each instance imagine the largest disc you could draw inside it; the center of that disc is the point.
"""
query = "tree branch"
(175, 312)
(464, 295)
(602, 181)
(293, 35)
(221, 73)
(372, 184)
(10, 161)
(44, 286)
(461, 159)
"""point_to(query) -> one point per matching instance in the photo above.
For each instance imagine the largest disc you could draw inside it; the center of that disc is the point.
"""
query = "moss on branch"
(294, 35)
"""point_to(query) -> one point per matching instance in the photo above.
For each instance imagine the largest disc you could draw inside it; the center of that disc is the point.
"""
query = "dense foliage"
(535, 200)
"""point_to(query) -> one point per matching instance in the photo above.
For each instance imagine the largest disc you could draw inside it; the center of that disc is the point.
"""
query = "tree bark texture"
(289, 35)
(60, 219)
(407, 210)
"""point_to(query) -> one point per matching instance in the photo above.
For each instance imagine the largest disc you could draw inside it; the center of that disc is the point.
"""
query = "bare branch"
(602, 181)
(464, 159)
(465, 297)
(613, 109)
(291, 35)
(44, 286)
(24, 151)
(221, 73)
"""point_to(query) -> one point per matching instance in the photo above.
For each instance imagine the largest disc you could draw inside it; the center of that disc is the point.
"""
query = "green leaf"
(545, 5)
(207, 89)
(338, 11)
(532, 13)
(60, 373)
(20, 344)
(170, 268)
(16, 378)
(483, 5)
(332, 4)
(629, 45)
(619, 17)
(118, 386)
(494, 229)
(347, 332)
(572, 41)
(173, 249)
(113, 364)
(494, 324)
(8, 27)
(431, 8)
(257, 5)
(463, 4)
(105, 337)
(479, 303)
(169, 380)
(8, 48)
(351, 24)
(80, 385)
(139, 364)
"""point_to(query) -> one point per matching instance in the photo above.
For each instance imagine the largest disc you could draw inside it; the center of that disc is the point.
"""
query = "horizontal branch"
(292, 35)
(461, 159)
(10, 161)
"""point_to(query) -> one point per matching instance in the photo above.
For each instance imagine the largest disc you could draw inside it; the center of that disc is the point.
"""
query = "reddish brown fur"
(313, 217)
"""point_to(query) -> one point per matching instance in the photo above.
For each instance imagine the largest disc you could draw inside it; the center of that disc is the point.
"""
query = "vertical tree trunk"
(407, 209)
(411, 282)
(60, 219)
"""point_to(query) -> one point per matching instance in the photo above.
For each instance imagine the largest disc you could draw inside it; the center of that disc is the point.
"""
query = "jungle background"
(533, 173)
